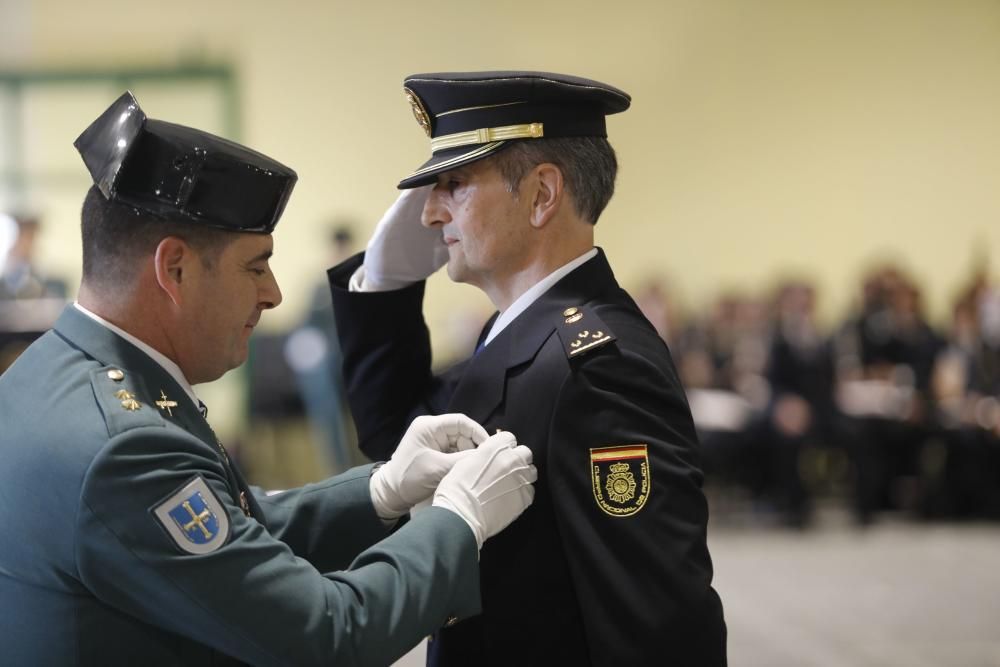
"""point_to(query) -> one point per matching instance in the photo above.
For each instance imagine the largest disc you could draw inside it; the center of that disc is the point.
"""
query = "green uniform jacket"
(125, 542)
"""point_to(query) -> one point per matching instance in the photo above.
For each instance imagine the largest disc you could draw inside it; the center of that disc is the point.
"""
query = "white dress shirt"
(541, 287)
(357, 284)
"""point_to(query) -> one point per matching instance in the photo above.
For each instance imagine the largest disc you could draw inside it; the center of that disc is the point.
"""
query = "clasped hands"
(486, 480)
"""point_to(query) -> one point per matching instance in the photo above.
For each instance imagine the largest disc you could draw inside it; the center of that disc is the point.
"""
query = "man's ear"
(170, 263)
(548, 195)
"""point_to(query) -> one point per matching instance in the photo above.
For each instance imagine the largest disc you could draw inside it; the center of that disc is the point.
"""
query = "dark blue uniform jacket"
(609, 566)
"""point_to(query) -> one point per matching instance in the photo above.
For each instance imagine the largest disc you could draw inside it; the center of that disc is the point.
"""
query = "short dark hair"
(588, 164)
(116, 236)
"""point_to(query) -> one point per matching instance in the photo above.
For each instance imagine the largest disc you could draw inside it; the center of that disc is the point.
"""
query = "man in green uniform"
(130, 537)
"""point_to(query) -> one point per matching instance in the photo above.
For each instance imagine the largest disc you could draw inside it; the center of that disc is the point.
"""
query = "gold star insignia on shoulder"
(166, 404)
(128, 400)
(582, 330)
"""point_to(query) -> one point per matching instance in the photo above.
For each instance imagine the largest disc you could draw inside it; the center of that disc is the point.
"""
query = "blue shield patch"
(198, 523)
(194, 518)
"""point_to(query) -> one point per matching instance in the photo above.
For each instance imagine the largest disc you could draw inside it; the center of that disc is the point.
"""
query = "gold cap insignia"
(128, 400)
(418, 111)
(621, 479)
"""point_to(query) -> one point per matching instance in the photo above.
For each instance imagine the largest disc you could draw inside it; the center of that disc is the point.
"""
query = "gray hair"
(588, 164)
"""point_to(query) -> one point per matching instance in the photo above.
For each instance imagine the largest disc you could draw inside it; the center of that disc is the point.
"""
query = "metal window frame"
(14, 85)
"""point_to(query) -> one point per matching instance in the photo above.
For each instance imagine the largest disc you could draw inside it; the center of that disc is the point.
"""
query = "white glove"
(489, 487)
(401, 251)
(428, 450)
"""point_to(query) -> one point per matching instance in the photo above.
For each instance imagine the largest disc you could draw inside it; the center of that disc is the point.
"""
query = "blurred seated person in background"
(657, 303)
(138, 541)
(29, 301)
(313, 352)
(965, 391)
(721, 361)
(19, 276)
(800, 374)
(885, 359)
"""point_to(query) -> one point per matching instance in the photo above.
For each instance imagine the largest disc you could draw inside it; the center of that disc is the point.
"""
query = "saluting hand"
(401, 250)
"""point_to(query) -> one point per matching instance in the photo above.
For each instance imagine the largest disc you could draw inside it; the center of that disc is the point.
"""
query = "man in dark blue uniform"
(130, 537)
(610, 565)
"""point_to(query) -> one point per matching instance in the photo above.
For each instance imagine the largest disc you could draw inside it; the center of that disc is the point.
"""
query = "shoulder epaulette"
(122, 400)
(582, 331)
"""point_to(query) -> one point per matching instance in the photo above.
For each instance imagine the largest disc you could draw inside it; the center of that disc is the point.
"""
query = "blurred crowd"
(882, 412)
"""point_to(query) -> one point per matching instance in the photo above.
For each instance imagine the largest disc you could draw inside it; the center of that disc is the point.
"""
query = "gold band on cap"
(486, 135)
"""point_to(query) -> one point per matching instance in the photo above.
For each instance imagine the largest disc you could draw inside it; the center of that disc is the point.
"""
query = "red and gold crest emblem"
(620, 477)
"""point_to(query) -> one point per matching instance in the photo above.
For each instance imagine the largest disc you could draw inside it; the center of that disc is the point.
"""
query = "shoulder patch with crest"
(620, 478)
(194, 518)
(581, 331)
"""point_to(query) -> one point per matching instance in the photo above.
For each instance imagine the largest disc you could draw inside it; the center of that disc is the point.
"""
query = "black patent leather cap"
(180, 173)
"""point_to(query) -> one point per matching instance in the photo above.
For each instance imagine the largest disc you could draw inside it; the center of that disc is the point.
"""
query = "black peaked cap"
(471, 115)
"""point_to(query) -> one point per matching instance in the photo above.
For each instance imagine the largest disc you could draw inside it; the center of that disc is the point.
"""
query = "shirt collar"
(538, 289)
(169, 366)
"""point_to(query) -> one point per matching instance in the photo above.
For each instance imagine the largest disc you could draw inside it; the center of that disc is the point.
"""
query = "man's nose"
(270, 295)
(434, 213)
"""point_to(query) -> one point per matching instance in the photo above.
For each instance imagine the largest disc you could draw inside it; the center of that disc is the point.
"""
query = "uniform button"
(452, 620)
(570, 311)
(116, 375)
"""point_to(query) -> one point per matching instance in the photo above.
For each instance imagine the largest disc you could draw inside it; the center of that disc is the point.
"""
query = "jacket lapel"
(481, 387)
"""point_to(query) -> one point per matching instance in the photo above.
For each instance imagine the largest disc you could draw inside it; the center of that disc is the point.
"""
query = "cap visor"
(446, 161)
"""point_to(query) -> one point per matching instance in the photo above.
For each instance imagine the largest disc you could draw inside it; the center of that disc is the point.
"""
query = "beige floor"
(898, 593)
